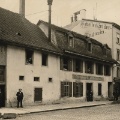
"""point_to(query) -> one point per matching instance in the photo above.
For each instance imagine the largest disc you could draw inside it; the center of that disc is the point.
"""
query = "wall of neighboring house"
(16, 66)
(116, 48)
(96, 30)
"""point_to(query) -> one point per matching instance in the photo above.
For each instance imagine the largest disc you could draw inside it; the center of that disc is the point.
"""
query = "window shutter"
(74, 65)
(96, 68)
(70, 89)
(70, 65)
(85, 67)
(81, 89)
(104, 70)
(61, 63)
(62, 89)
(81, 66)
(74, 89)
(92, 68)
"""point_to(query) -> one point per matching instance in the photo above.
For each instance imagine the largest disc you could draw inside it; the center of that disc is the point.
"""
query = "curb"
(58, 109)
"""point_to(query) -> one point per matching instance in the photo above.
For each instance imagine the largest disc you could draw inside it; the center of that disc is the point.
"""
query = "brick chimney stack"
(22, 8)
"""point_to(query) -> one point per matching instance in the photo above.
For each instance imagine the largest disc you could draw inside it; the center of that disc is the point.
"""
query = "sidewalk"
(53, 107)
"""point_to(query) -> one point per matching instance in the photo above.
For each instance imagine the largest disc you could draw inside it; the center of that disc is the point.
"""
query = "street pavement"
(104, 112)
(51, 107)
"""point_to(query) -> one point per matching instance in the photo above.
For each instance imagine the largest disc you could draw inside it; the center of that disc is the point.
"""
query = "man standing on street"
(19, 98)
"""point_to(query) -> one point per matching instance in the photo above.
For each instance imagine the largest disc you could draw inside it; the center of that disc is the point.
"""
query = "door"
(38, 94)
(89, 87)
(2, 88)
(110, 89)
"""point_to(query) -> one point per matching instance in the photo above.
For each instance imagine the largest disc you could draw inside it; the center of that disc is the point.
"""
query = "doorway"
(2, 87)
(38, 94)
(110, 89)
(89, 87)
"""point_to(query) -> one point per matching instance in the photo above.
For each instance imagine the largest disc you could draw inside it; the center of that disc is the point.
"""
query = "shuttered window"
(77, 89)
(66, 64)
(107, 71)
(89, 67)
(66, 89)
(77, 65)
(99, 69)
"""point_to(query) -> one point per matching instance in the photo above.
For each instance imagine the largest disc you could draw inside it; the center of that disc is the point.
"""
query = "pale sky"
(62, 10)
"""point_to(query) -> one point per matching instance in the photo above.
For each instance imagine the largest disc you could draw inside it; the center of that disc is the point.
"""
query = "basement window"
(36, 79)
(50, 79)
(29, 57)
(21, 77)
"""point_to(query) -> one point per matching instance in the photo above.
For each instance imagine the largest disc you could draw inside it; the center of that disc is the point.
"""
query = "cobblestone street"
(105, 112)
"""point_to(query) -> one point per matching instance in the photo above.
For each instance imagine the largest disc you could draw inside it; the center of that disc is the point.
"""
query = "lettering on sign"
(82, 77)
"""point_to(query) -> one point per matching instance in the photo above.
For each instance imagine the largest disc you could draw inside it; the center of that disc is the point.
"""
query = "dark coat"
(19, 95)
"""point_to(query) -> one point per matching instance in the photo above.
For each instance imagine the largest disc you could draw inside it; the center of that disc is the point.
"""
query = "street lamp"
(49, 29)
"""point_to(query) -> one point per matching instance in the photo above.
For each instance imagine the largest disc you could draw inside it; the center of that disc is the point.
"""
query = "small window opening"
(50, 79)
(36, 79)
(21, 77)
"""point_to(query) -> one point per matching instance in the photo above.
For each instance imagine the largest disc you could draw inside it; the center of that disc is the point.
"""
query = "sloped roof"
(15, 29)
(81, 49)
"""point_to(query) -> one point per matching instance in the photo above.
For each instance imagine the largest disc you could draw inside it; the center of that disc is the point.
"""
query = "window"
(105, 51)
(118, 38)
(29, 57)
(66, 64)
(50, 79)
(99, 69)
(71, 41)
(77, 65)
(44, 59)
(36, 79)
(99, 89)
(66, 89)
(77, 89)
(118, 54)
(21, 77)
(89, 47)
(107, 71)
(118, 72)
(89, 67)
(2, 74)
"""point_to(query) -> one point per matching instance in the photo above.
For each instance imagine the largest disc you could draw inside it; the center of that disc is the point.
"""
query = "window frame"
(29, 54)
(44, 59)
(89, 69)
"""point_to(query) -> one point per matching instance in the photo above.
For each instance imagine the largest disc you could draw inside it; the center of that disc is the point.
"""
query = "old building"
(47, 71)
(103, 31)
(85, 64)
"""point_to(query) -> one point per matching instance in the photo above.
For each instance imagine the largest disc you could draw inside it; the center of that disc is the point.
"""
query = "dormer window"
(70, 40)
(89, 47)
(105, 51)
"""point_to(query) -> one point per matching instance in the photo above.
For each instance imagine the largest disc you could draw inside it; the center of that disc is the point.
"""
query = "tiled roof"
(15, 29)
(61, 37)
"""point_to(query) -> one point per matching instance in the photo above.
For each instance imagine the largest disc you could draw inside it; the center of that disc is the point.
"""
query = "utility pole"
(49, 28)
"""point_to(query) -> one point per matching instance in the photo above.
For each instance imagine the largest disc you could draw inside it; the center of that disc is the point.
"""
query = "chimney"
(22, 8)
(71, 19)
(79, 15)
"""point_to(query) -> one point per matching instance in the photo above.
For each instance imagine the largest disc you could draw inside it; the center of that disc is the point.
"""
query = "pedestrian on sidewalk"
(115, 94)
(19, 98)
(0, 98)
(91, 95)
